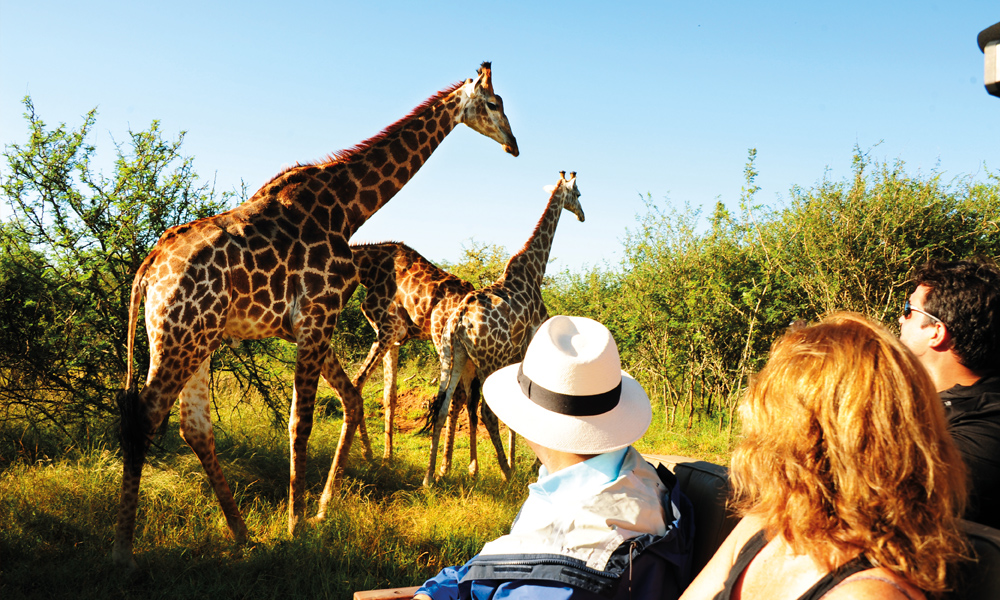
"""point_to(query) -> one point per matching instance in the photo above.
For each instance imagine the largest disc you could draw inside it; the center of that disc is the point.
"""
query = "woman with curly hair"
(847, 481)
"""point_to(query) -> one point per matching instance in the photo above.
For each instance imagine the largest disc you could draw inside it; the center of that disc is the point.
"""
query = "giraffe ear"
(469, 89)
(484, 77)
(549, 188)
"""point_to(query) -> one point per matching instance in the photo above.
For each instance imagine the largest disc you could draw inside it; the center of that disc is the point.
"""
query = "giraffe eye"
(491, 105)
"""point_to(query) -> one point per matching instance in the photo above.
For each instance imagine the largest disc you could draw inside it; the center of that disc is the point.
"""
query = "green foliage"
(698, 302)
(851, 245)
(481, 264)
(354, 335)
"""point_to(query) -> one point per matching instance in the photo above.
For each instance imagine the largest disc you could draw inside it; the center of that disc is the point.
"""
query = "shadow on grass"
(300, 568)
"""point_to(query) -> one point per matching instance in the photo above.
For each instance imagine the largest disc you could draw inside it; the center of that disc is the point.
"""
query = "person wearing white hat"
(600, 522)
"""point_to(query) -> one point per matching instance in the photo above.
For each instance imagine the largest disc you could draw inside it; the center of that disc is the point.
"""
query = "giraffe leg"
(452, 364)
(137, 425)
(493, 427)
(474, 400)
(196, 429)
(366, 444)
(128, 507)
(300, 421)
(142, 412)
(458, 402)
(367, 368)
(511, 443)
(353, 414)
(390, 367)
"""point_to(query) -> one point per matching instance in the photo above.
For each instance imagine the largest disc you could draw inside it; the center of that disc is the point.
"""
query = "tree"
(70, 249)
(481, 264)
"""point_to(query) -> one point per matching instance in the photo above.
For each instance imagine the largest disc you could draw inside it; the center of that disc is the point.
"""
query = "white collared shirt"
(587, 510)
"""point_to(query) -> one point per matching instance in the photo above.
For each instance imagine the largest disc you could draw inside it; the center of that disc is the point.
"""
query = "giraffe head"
(482, 110)
(569, 193)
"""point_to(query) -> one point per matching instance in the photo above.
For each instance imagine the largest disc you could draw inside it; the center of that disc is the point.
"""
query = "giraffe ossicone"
(278, 265)
(492, 326)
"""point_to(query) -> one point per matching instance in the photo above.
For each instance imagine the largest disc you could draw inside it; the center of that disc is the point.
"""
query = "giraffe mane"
(531, 238)
(377, 243)
(345, 154)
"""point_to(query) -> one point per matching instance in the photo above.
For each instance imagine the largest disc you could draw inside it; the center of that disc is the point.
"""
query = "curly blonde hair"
(846, 451)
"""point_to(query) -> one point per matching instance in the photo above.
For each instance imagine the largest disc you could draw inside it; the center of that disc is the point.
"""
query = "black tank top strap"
(750, 549)
(833, 578)
(755, 544)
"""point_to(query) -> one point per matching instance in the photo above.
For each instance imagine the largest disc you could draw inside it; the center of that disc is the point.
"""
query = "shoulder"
(875, 584)
(711, 579)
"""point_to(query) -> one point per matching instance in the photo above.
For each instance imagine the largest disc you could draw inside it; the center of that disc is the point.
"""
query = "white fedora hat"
(570, 393)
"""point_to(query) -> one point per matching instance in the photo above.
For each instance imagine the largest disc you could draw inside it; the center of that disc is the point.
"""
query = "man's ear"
(941, 339)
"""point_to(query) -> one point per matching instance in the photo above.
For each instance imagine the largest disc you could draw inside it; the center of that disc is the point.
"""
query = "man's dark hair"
(965, 295)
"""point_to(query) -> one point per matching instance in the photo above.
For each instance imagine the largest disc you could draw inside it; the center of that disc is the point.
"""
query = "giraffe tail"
(439, 401)
(433, 411)
(474, 394)
(133, 425)
(446, 355)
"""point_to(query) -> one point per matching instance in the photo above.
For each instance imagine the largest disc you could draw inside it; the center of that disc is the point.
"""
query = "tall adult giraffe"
(407, 298)
(278, 265)
(493, 325)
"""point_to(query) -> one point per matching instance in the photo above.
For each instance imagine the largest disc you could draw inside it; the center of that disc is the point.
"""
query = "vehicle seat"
(707, 486)
(980, 580)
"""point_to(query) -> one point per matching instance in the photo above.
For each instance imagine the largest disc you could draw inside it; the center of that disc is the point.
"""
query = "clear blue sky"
(662, 98)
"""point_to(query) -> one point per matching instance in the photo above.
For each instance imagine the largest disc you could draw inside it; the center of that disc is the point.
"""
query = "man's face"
(916, 330)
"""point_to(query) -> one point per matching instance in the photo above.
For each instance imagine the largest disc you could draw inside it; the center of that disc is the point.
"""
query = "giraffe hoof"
(126, 563)
(301, 524)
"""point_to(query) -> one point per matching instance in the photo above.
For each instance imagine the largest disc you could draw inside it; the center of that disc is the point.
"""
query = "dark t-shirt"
(974, 423)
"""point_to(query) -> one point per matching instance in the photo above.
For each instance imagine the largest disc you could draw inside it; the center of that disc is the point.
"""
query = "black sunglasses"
(907, 309)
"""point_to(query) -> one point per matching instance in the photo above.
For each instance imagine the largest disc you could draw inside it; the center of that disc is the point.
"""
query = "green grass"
(705, 439)
(384, 530)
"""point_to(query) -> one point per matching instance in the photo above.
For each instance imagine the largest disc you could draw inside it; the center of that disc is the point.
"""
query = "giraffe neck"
(384, 164)
(529, 264)
(344, 191)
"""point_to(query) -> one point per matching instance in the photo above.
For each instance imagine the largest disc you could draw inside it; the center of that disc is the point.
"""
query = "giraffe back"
(402, 282)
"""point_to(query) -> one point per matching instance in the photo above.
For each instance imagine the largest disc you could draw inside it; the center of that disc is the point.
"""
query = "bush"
(695, 308)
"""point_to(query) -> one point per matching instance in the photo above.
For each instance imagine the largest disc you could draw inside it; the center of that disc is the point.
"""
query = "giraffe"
(278, 265)
(492, 326)
(407, 298)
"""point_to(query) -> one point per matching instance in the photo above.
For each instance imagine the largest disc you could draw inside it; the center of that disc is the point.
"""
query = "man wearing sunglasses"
(951, 322)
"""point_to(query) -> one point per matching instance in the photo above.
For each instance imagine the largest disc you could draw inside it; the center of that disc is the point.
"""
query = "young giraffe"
(407, 298)
(279, 265)
(492, 326)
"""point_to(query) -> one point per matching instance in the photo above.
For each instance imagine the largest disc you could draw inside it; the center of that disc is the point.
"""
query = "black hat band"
(567, 404)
